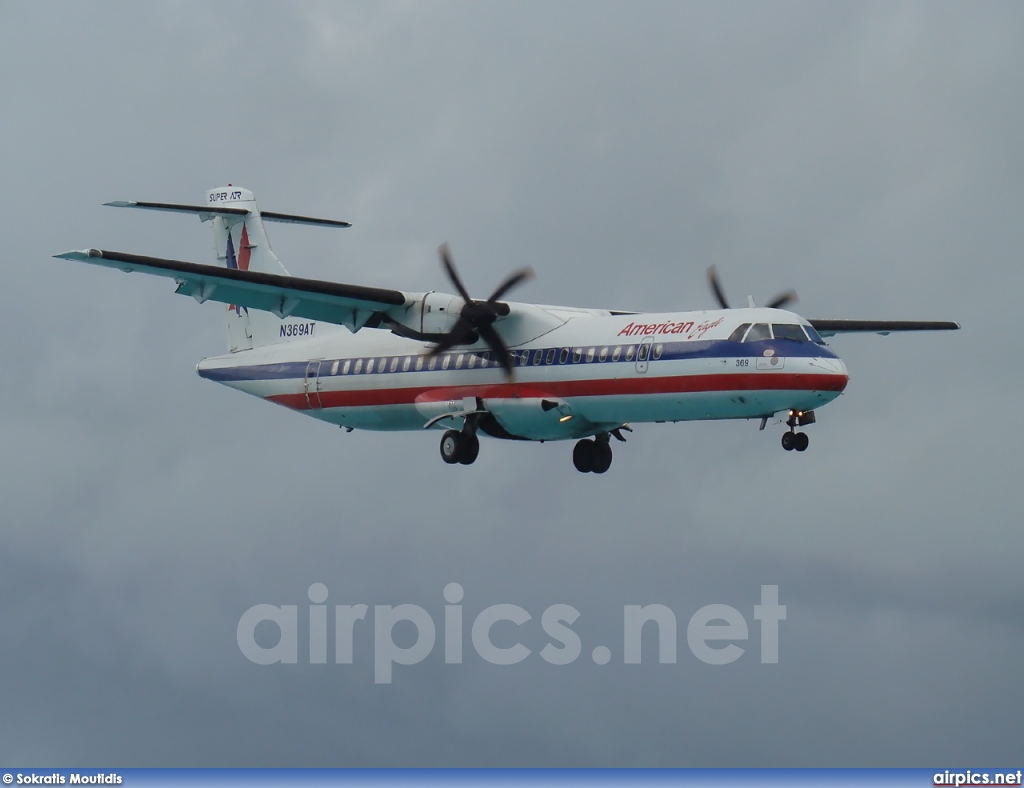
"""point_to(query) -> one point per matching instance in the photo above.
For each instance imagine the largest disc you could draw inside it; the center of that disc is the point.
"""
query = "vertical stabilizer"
(240, 242)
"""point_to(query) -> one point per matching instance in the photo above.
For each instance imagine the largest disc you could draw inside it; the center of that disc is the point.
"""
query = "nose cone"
(837, 372)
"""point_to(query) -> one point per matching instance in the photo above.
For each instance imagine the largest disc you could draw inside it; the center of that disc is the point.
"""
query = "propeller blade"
(462, 333)
(449, 266)
(716, 287)
(786, 297)
(495, 342)
(514, 279)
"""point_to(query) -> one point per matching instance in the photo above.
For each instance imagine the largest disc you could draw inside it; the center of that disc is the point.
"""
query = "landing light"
(565, 419)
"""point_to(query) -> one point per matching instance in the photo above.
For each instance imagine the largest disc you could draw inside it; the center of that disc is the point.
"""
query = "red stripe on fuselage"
(679, 384)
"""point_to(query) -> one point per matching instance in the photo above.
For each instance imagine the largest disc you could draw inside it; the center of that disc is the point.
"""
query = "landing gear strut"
(592, 456)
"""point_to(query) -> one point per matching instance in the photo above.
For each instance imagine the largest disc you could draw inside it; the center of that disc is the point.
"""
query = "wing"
(352, 306)
(829, 328)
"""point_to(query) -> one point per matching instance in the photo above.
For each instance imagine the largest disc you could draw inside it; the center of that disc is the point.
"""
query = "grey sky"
(867, 154)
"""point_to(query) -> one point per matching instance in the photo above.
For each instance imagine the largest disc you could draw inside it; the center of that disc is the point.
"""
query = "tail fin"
(240, 241)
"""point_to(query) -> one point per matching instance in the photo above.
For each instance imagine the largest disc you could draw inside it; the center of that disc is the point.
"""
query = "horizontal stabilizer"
(207, 212)
(831, 327)
(353, 306)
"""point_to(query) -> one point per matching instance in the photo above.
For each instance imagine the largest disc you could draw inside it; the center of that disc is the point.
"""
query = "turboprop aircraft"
(377, 359)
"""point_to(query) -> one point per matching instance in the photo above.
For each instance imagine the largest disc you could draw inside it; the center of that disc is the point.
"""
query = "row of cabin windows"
(759, 331)
(522, 358)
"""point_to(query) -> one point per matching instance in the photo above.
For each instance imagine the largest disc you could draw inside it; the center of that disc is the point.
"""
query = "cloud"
(866, 155)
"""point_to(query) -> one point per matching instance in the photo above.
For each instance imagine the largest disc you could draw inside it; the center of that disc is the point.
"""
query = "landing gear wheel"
(788, 441)
(801, 441)
(584, 456)
(451, 446)
(470, 448)
(602, 457)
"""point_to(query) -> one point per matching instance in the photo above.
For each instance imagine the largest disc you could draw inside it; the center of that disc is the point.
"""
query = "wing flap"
(353, 306)
(829, 328)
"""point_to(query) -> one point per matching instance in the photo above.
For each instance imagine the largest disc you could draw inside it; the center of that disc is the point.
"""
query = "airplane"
(378, 359)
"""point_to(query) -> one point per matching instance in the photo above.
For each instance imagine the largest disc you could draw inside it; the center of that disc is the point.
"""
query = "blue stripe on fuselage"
(671, 351)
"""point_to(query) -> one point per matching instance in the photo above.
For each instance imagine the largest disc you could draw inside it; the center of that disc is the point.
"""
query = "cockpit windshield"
(789, 331)
(758, 332)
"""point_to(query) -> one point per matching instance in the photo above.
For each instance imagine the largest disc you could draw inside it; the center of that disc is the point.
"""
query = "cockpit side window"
(757, 332)
(789, 331)
(814, 335)
(737, 335)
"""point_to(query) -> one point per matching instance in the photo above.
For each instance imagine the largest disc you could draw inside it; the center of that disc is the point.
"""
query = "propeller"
(477, 318)
(781, 300)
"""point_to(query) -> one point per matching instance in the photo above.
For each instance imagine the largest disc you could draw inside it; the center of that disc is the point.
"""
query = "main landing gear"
(460, 447)
(797, 440)
(594, 455)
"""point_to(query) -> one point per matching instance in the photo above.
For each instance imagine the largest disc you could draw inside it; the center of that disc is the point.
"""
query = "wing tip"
(79, 254)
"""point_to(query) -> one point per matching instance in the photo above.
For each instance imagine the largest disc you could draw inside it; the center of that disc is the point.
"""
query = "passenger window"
(551, 356)
(445, 361)
(603, 355)
(432, 363)
(563, 356)
(590, 354)
(458, 361)
(658, 349)
(419, 363)
(524, 358)
(616, 353)
(630, 350)
(394, 363)
(406, 363)
(758, 332)
(537, 356)
(737, 335)
(789, 331)
(472, 361)
(346, 367)
(359, 366)
(334, 367)
(369, 365)
(577, 354)
(641, 354)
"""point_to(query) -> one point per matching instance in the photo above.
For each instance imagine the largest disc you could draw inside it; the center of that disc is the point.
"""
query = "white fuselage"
(589, 374)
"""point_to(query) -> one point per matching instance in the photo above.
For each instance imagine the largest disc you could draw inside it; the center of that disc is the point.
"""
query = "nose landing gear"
(797, 440)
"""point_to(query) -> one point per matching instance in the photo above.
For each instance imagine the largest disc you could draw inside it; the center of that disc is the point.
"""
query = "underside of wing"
(829, 328)
(353, 306)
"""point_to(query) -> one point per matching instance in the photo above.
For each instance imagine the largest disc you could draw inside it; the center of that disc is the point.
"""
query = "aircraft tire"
(469, 450)
(451, 446)
(602, 457)
(789, 441)
(583, 455)
(801, 441)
